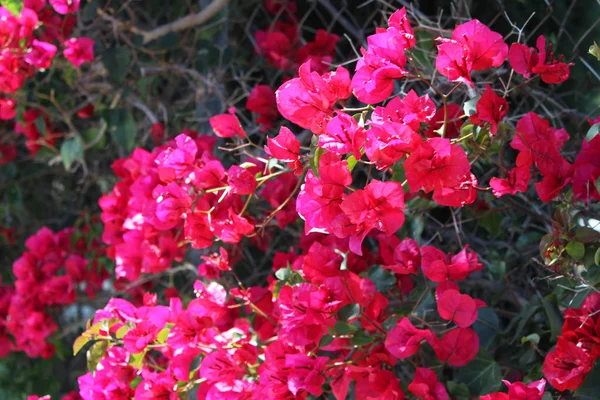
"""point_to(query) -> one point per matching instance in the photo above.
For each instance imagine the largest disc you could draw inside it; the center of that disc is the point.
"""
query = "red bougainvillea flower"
(458, 196)
(458, 347)
(587, 170)
(566, 367)
(308, 100)
(453, 122)
(7, 153)
(491, 108)
(79, 50)
(425, 386)
(406, 258)
(436, 164)
(404, 339)
(227, 125)
(157, 131)
(285, 147)
(379, 385)
(518, 177)
(261, 101)
(458, 308)
(529, 61)
(320, 51)
(438, 267)
(241, 180)
(343, 135)
(65, 6)
(86, 111)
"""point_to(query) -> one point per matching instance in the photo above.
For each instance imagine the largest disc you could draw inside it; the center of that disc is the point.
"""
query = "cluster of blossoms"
(271, 342)
(578, 346)
(281, 47)
(47, 278)
(327, 324)
(29, 43)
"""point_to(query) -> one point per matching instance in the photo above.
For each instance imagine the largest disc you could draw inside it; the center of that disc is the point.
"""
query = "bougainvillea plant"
(357, 307)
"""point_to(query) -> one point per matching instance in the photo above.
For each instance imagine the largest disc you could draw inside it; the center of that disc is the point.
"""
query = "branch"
(185, 22)
(181, 24)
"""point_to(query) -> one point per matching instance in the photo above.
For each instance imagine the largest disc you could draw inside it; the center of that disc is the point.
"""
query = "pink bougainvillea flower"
(343, 135)
(79, 50)
(529, 61)
(439, 267)
(65, 6)
(486, 47)
(227, 125)
(388, 142)
(40, 54)
(411, 110)
(308, 100)
(261, 101)
(8, 109)
(436, 164)
(285, 147)
(241, 180)
(454, 61)
(406, 258)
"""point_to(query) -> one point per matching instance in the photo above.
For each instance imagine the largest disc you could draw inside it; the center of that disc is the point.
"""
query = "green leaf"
(587, 235)
(349, 312)
(13, 6)
(491, 221)
(550, 304)
(597, 257)
(121, 126)
(575, 249)
(81, 341)
(595, 51)
(487, 326)
(314, 161)
(95, 135)
(116, 61)
(591, 385)
(71, 150)
(342, 328)
(283, 274)
(533, 338)
(482, 375)
(326, 340)
(95, 353)
(383, 279)
(352, 161)
(459, 391)
(136, 360)
(163, 334)
(122, 331)
(592, 132)
(360, 338)
(597, 184)
(40, 124)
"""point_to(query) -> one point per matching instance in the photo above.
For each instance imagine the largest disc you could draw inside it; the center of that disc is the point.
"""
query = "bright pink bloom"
(486, 47)
(518, 177)
(227, 125)
(241, 180)
(436, 164)
(41, 54)
(343, 135)
(65, 6)
(285, 147)
(7, 109)
(566, 367)
(388, 142)
(79, 50)
(587, 170)
(458, 347)
(454, 61)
